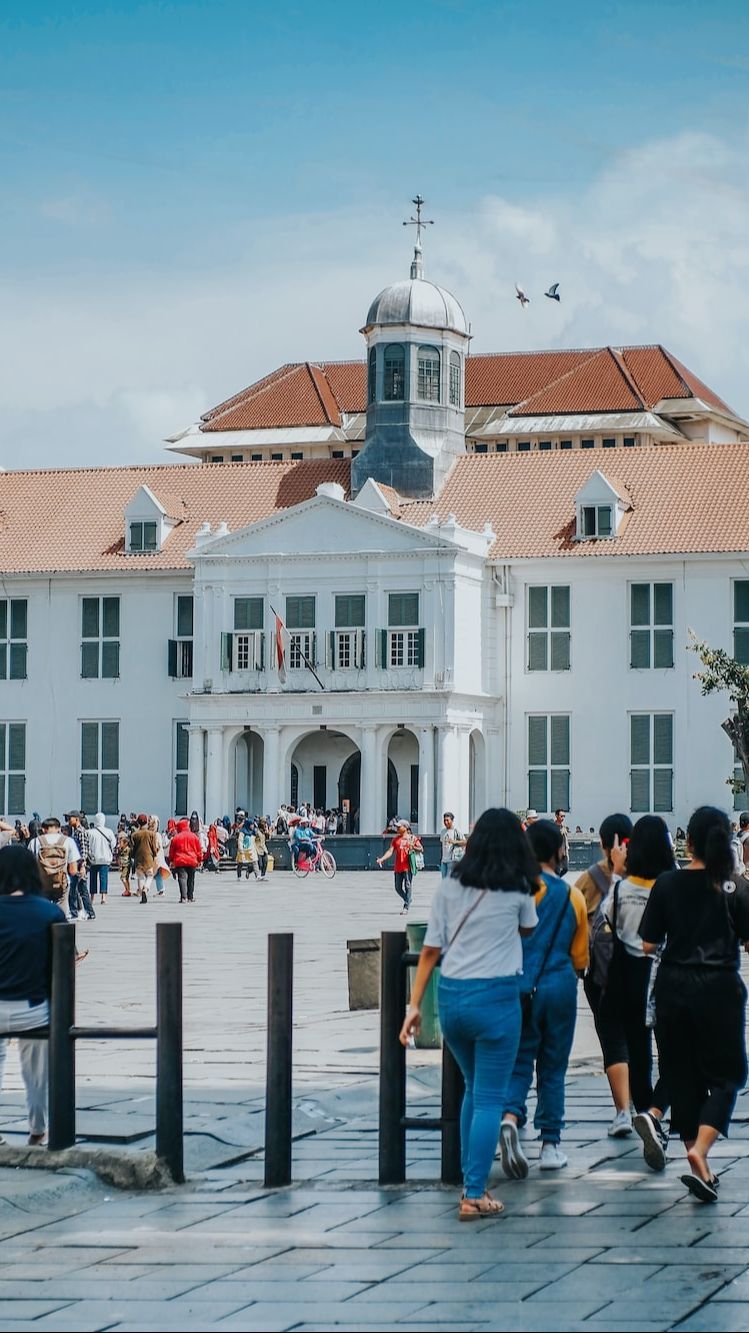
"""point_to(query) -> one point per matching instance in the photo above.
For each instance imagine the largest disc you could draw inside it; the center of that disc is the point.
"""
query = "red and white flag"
(282, 643)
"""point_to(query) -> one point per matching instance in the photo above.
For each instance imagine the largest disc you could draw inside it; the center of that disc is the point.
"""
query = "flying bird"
(521, 296)
(553, 292)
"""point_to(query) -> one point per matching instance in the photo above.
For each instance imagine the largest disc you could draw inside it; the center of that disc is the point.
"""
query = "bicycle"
(304, 864)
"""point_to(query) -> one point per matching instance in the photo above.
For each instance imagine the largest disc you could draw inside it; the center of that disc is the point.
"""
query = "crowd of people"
(658, 949)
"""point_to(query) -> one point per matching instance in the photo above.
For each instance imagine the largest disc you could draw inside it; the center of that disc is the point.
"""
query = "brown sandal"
(472, 1210)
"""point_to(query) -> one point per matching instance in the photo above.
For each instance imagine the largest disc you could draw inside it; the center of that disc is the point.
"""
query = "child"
(123, 861)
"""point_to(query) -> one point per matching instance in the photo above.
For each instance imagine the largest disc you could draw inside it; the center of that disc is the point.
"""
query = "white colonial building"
(486, 568)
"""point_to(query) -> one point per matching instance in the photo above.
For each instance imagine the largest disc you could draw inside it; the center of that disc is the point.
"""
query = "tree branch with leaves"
(721, 672)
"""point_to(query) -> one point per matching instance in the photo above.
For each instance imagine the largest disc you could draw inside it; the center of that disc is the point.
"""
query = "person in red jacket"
(185, 855)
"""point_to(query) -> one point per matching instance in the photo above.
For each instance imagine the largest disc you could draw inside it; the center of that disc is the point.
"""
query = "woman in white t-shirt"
(476, 920)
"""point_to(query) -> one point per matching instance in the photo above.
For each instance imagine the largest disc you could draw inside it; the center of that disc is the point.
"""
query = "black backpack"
(603, 941)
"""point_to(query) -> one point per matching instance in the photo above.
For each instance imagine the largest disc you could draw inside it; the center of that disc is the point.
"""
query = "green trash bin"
(430, 1037)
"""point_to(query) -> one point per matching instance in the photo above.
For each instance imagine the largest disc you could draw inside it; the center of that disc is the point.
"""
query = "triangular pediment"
(321, 525)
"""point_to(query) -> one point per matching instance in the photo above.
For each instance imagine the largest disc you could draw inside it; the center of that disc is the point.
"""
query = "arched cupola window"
(455, 378)
(428, 385)
(372, 379)
(394, 373)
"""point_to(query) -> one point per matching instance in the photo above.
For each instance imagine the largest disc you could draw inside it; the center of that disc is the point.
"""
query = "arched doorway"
(349, 791)
(248, 773)
(477, 797)
(325, 769)
(403, 776)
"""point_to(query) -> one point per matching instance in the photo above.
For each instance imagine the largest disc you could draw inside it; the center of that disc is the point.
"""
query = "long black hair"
(650, 850)
(498, 855)
(19, 870)
(709, 836)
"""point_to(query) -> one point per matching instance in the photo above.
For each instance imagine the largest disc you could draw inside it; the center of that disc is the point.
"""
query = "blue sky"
(194, 192)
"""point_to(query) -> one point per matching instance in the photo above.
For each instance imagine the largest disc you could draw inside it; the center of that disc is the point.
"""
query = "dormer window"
(596, 521)
(602, 505)
(144, 537)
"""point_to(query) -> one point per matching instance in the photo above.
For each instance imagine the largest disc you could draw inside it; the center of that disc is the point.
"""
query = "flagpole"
(304, 656)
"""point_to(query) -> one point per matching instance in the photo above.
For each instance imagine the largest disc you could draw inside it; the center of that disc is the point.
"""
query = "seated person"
(303, 841)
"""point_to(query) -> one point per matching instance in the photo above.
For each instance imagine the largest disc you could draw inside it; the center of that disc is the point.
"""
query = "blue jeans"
(446, 869)
(100, 874)
(79, 894)
(481, 1022)
(546, 1041)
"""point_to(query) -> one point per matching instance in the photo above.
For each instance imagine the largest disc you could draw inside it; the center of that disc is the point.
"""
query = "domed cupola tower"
(417, 340)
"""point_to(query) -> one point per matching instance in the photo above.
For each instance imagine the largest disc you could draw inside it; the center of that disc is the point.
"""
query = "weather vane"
(418, 222)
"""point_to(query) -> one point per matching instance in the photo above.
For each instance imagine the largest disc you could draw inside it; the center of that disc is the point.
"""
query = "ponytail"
(709, 835)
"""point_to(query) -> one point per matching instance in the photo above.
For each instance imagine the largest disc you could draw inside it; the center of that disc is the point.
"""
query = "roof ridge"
(621, 365)
(253, 390)
(688, 393)
(552, 384)
(314, 370)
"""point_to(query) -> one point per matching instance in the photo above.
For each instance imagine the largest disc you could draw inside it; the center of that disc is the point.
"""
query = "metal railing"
(63, 1033)
(394, 1122)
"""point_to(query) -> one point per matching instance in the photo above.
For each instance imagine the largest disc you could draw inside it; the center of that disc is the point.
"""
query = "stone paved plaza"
(601, 1245)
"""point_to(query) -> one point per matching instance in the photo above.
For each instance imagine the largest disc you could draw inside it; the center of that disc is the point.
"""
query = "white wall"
(601, 690)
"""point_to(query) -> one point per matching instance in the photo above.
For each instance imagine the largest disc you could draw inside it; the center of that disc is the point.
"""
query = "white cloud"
(655, 249)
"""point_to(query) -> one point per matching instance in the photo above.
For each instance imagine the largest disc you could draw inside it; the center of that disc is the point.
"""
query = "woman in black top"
(700, 998)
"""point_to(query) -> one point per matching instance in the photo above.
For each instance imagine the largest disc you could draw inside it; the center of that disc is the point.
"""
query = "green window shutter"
(262, 653)
(149, 537)
(3, 661)
(421, 648)
(538, 613)
(89, 745)
(604, 521)
(185, 612)
(639, 648)
(226, 652)
(182, 746)
(362, 651)
(16, 746)
(663, 782)
(180, 794)
(349, 611)
(537, 789)
(639, 790)
(90, 793)
(90, 659)
(639, 733)
(110, 617)
(331, 641)
(741, 646)
(90, 618)
(639, 601)
(537, 752)
(538, 651)
(383, 637)
(560, 739)
(663, 603)
(16, 793)
(560, 650)
(663, 647)
(110, 793)
(3, 618)
(663, 736)
(136, 536)
(403, 608)
(110, 745)
(248, 613)
(3, 730)
(19, 618)
(110, 659)
(313, 650)
(741, 601)
(18, 659)
(560, 789)
(560, 608)
(172, 657)
(300, 613)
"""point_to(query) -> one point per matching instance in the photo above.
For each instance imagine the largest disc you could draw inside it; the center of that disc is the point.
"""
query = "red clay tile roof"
(599, 379)
(60, 521)
(684, 498)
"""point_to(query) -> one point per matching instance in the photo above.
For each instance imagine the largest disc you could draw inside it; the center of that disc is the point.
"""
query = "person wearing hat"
(401, 847)
(79, 892)
(531, 816)
(303, 840)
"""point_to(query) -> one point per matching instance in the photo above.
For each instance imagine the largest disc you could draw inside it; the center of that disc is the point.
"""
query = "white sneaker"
(621, 1125)
(552, 1157)
(514, 1160)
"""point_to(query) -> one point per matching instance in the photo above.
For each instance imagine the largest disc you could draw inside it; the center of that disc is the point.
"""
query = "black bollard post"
(169, 1095)
(61, 1095)
(278, 1082)
(392, 1136)
(452, 1100)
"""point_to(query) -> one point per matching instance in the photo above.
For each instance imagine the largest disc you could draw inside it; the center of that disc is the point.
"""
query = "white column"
(463, 782)
(272, 777)
(447, 772)
(426, 779)
(371, 798)
(214, 773)
(196, 772)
